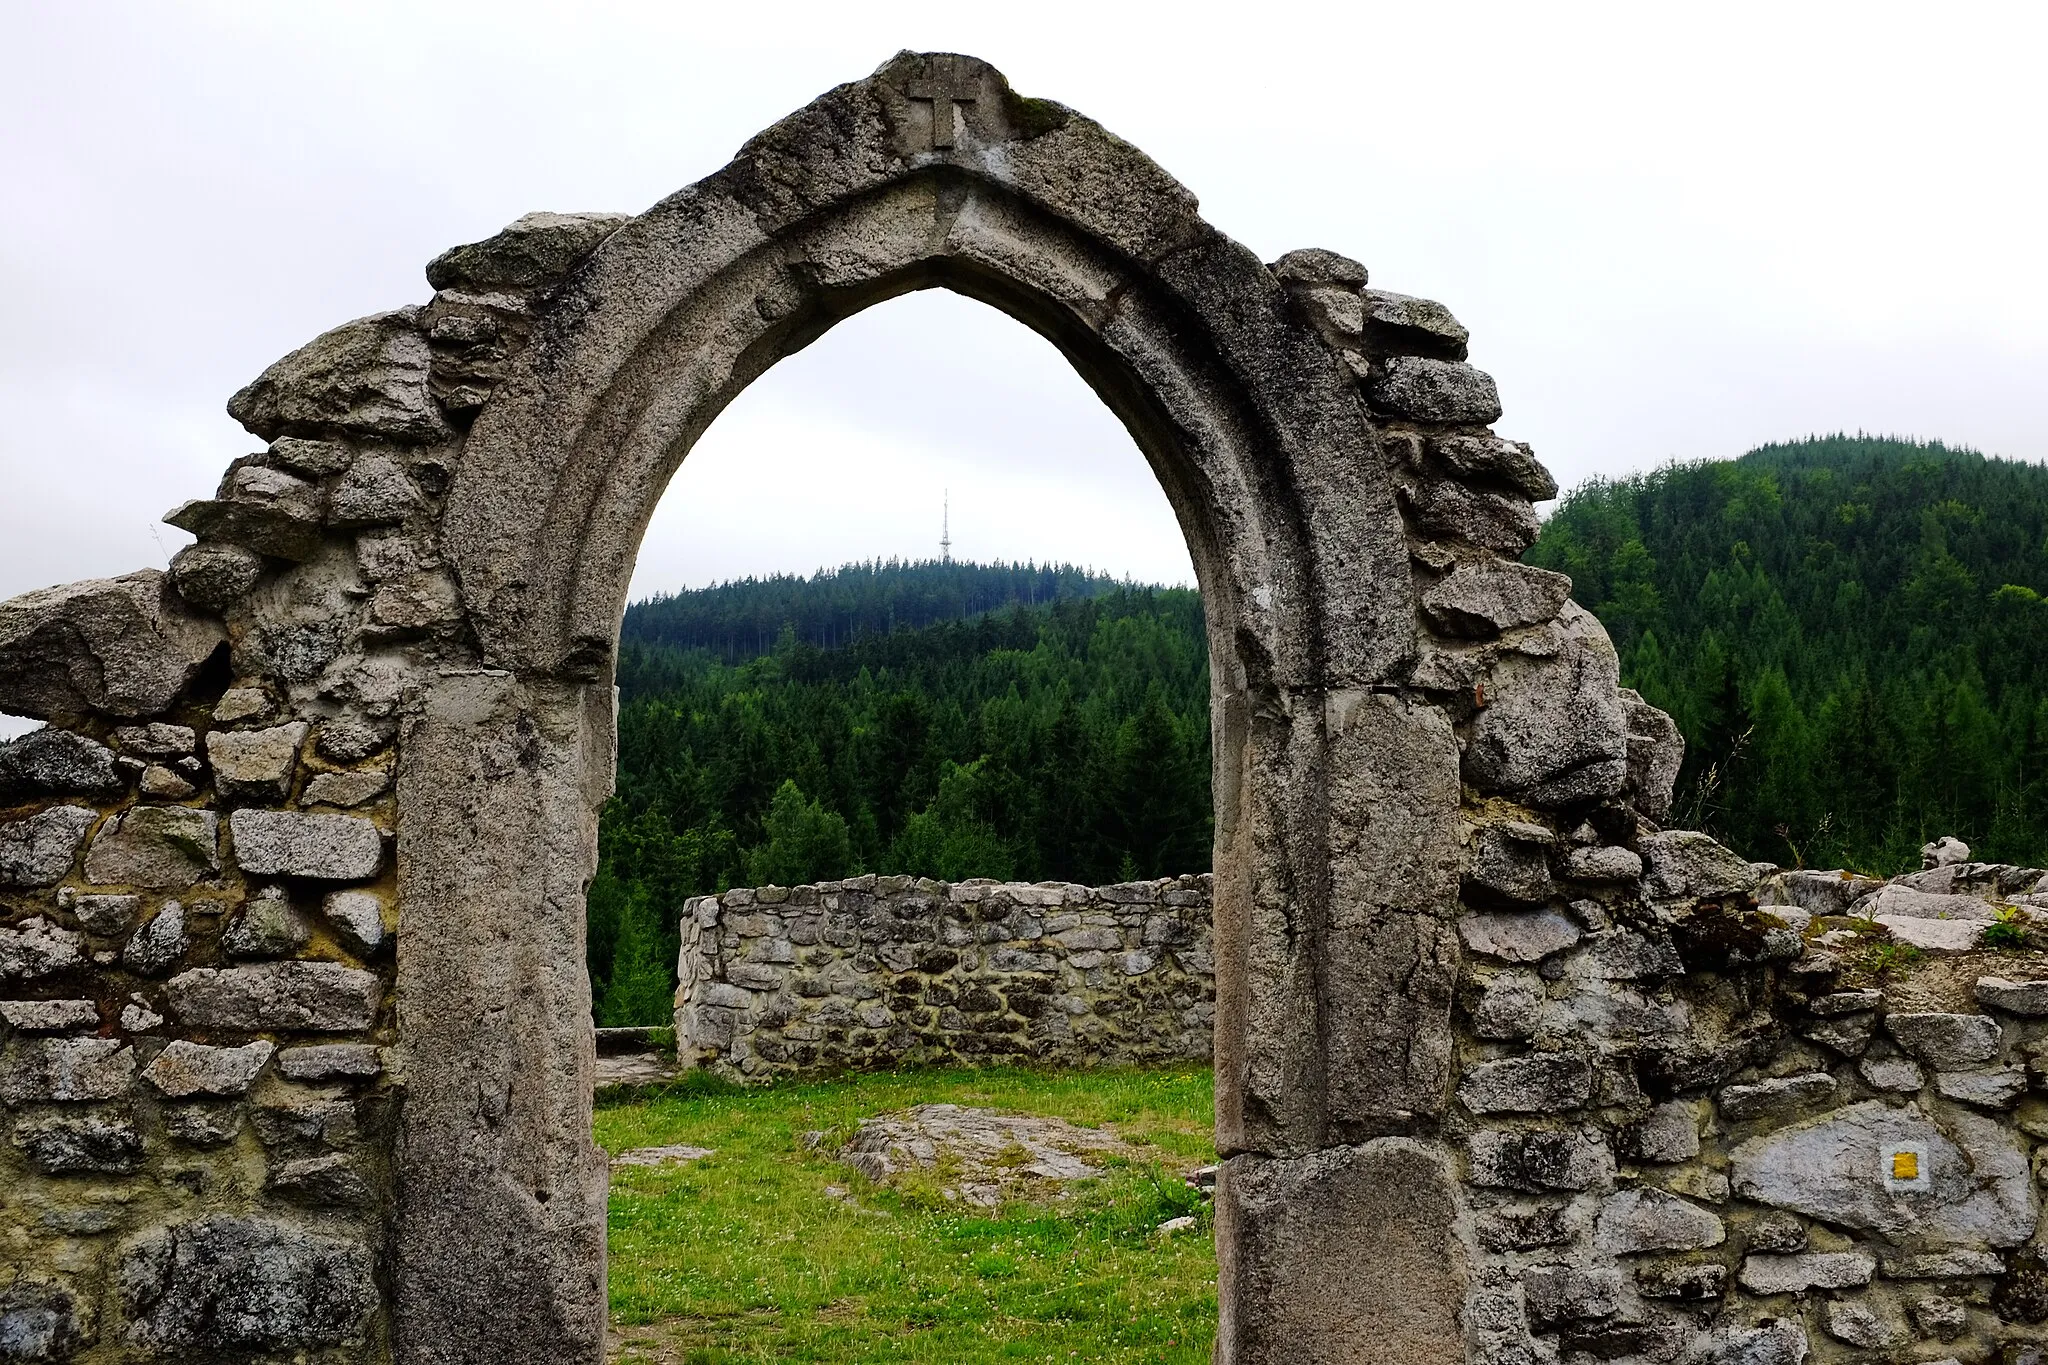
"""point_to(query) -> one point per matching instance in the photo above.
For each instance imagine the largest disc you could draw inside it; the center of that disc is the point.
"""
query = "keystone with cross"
(945, 89)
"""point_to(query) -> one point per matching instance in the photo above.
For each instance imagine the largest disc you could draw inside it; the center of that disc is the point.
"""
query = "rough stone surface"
(225, 1284)
(1650, 1220)
(1603, 864)
(1561, 742)
(161, 847)
(160, 944)
(1944, 852)
(1404, 324)
(320, 997)
(358, 916)
(268, 927)
(1559, 1294)
(2028, 999)
(325, 1181)
(38, 851)
(214, 574)
(1377, 1220)
(980, 1157)
(535, 250)
(1519, 936)
(1488, 459)
(256, 764)
(1545, 1159)
(1485, 597)
(50, 1016)
(38, 949)
(122, 647)
(185, 1069)
(65, 1070)
(1433, 391)
(1511, 862)
(1453, 510)
(107, 915)
(1901, 1075)
(1682, 865)
(1772, 1098)
(1946, 1041)
(1656, 752)
(367, 377)
(81, 1144)
(1996, 1089)
(1527, 1085)
(1807, 1270)
(1979, 1187)
(1670, 1132)
(1903, 902)
(346, 789)
(282, 843)
(56, 762)
(329, 1061)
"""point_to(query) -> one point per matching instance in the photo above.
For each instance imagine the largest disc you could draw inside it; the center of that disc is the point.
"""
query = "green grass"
(743, 1256)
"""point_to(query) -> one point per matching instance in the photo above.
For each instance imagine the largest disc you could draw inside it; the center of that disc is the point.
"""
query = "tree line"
(1850, 633)
(1063, 740)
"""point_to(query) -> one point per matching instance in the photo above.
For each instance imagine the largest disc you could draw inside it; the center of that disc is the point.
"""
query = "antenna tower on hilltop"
(946, 529)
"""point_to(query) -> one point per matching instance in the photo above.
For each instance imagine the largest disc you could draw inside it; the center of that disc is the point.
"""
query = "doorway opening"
(921, 829)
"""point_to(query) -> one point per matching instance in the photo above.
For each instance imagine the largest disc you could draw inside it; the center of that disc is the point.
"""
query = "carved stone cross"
(942, 91)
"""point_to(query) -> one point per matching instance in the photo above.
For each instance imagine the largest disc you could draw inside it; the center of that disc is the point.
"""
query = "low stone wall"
(885, 971)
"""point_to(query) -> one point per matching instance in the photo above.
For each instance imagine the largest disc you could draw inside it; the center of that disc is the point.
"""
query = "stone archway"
(426, 570)
(1261, 440)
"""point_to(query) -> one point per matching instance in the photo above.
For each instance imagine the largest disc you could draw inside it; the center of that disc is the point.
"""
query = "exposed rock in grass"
(978, 1156)
(662, 1156)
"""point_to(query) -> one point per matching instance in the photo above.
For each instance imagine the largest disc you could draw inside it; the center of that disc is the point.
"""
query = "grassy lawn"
(744, 1256)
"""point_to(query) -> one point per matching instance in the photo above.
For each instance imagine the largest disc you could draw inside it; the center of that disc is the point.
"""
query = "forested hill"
(1850, 632)
(1067, 740)
(834, 607)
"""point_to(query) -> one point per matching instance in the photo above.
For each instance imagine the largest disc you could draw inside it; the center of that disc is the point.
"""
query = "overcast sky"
(1674, 231)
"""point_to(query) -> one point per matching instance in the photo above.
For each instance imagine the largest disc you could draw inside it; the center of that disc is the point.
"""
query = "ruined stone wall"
(195, 928)
(890, 971)
(1715, 1111)
(1474, 1007)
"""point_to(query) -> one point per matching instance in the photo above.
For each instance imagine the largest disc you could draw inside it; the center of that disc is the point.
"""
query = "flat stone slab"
(676, 1155)
(184, 1069)
(161, 847)
(319, 997)
(50, 1016)
(635, 1069)
(1975, 1186)
(284, 843)
(987, 1158)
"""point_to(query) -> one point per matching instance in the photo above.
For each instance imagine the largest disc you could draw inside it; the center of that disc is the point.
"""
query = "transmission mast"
(946, 529)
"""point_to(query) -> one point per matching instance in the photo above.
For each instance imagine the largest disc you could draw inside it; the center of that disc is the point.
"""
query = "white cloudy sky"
(1676, 231)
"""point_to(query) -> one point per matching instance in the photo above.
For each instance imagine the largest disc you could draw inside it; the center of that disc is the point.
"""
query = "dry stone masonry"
(892, 971)
(296, 1057)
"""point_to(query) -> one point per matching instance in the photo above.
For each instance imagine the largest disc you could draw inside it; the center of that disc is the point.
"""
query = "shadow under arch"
(1327, 1037)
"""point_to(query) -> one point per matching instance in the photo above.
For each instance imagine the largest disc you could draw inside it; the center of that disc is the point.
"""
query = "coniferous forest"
(1850, 632)
(1017, 722)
